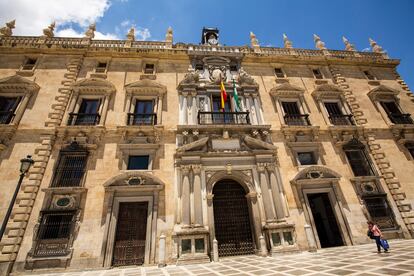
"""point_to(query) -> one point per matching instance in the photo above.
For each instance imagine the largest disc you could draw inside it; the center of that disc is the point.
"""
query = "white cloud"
(126, 23)
(33, 16)
(69, 32)
(142, 33)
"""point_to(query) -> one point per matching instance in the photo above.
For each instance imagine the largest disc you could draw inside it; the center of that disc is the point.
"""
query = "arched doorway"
(231, 219)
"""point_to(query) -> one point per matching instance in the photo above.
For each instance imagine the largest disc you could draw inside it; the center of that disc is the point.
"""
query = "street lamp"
(25, 165)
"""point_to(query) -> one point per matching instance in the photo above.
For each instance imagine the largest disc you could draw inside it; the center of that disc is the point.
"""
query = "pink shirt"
(375, 230)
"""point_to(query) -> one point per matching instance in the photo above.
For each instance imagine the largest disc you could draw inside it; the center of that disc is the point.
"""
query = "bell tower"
(210, 36)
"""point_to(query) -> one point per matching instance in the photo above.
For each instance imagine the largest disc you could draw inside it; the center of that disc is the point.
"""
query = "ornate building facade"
(138, 163)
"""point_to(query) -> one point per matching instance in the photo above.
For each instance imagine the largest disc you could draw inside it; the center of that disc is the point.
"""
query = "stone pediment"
(316, 173)
(214, 60)
(147, 87)
(254, 143)
(94, 85)
(134, 179)
(382, 91)
(17, 83)
(286, 89)
(327, 91)
(193, 145)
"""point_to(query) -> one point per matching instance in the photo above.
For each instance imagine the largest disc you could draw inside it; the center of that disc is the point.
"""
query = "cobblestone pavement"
(351, 260)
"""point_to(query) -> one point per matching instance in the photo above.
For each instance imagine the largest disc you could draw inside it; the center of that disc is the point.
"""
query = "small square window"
(317, 74)
(29, 64)
(233, 68)
(199, 245)
(199, 67)
(369, 76)
(138, 162)
(279, 73)
(149, 68)
(101, 67)
(307, 158)
(287, 236)
(186, 246)
(276, 239)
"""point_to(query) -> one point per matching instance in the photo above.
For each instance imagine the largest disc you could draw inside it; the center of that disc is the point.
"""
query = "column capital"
(196, 168)
(193, 93)
(185, 169)
(261, 167)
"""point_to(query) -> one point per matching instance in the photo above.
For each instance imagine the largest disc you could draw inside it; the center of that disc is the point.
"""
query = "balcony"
(297, 119)
(84, 119)
(223, 118)
(400, 119)
(142, 119)
(6, 117)
(341, 120)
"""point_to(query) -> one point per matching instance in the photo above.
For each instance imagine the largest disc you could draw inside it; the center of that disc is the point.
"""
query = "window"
(394, 113)
(369, 76)
(410, 148)
(143, 113)
(8, 107)
(380, 211)
(233, 68)
(149, 68)
(336, 116)
(317, 74)
(29, 64)
(138, 162)
(70, 168)
(88, 113)
(358, 158)
(293, 114)
(306, 158)
(101, 67)
(54, 234)
(199, 67)
(279, 73)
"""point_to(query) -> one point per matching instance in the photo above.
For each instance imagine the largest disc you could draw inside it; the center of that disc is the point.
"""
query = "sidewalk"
(352, 260)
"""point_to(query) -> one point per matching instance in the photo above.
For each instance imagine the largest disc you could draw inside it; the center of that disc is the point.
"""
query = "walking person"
(375, 233)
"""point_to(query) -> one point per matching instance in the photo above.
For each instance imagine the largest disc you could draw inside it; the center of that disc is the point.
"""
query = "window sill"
(25, 73)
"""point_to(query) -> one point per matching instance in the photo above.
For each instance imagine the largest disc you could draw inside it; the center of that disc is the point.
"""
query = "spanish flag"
(223, 95)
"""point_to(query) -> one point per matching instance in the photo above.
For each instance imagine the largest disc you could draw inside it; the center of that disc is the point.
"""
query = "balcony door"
(88, 113)
(8, 106)
(293, 115)
(144, 113)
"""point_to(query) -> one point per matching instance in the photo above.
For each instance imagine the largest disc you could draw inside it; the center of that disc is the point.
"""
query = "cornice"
(61, 45)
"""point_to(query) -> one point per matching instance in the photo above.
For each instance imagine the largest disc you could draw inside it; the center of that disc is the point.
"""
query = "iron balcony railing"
(297, 119)
(84, 119)
(147, 119)
(6, 117)
(223, 118)
(400, 119)
(341, 120)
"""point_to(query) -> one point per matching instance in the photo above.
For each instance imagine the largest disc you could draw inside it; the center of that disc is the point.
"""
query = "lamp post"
(25, 165)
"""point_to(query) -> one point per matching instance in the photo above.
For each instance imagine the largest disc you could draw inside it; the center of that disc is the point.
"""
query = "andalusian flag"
(236, 97)
(223, 95)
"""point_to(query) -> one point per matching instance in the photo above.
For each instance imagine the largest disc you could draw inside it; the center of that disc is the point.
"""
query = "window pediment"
(316, 173)
(382, 92)
(18, 83)
(146, 87)
(135, 179)
(94, 85)
(327, 91)
(286, 90)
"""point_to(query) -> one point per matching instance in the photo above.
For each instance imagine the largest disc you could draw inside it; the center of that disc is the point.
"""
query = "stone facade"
(319, 142)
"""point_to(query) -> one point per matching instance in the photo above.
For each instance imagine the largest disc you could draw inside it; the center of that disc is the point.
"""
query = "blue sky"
(390, 23)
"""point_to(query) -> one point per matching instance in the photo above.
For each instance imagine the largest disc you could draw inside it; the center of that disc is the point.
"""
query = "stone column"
(194, 108)
(198, 211)
(257, 226)
(252, 111)
(159, 110)
(104, 110)
(184, 108)
(21, 109)
(277, 193)
(189, 106)
(266, 193)
(128, 107)
(258, 108)
(185, 196)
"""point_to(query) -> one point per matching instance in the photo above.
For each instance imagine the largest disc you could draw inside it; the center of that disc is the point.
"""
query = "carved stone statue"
(212, 40)
(287, 43)
(90, 33)
(253, 40)
(131, 34)
(245, 78)
(319, 44)
(375, 47)
(48, 32)
(348, 45)
(192, 76)
(169, 35)
(7, 31)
